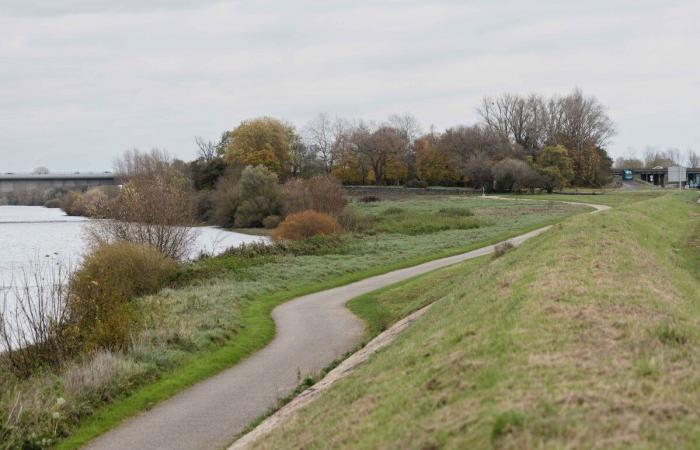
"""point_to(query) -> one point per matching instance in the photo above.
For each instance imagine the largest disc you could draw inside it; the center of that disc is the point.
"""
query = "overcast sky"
(83, 80)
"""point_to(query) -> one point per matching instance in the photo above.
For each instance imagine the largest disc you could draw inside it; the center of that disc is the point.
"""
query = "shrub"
(225, 201)
(204, 205)
(321, 193)
(369, 199)
(92, 203)
(271, 222)
(100, 305)
(355, 221)
(415, 183)
(306, 224)
(501, 249)
(53, 203)
(514, 175)
(259, 196)
(294, 196)
(69, 203)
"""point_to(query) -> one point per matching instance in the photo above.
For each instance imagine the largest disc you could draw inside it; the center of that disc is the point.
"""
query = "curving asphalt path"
(312, 331)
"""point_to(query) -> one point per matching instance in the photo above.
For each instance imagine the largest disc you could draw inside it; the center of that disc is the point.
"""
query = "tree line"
(659, 158)
(521, 142)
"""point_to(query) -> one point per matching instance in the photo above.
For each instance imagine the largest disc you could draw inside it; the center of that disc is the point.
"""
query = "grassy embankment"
(610, 198)
(220, 313)
(585, 337)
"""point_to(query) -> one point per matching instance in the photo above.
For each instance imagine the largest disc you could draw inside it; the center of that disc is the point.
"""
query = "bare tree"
(137, 164)
(207, 151)
(409, 129)
(319, 134)
(654, 157)
(582, 122)
(520, 119)
(407, 125)
(628, 163)
(327, 138)
(693, 158)
(149, 211)
(575, 121)
(465, 145)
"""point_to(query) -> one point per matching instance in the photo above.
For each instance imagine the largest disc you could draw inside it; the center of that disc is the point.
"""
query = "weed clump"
(505, 423)
(355, 221)
(501, 249)
(670, 334)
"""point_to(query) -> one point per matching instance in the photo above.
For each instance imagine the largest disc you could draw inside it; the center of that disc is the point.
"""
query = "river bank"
(31, 233)
(219, 313)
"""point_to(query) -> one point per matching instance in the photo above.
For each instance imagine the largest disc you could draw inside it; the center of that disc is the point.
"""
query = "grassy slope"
(610, 198)
(195, 320)
(584, 337)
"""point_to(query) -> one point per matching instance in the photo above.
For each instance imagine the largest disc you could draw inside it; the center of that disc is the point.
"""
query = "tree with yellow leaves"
(264, 141)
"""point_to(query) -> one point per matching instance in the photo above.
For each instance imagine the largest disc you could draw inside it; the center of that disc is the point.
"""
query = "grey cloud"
(78, 89)
(48, 8)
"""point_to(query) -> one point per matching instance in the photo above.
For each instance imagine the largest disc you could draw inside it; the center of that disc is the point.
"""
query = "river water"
(34, 233)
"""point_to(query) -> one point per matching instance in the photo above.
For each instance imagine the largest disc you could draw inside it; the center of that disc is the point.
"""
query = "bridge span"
(26, 182)
(665, 176)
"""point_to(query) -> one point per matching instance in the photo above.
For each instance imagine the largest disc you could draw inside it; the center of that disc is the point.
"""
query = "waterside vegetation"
(216, 310)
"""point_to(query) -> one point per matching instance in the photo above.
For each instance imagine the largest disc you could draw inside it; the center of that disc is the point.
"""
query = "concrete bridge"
(665, 176)
(27, 182)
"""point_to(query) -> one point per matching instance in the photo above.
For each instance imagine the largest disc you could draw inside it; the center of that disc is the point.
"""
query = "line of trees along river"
(513, 128)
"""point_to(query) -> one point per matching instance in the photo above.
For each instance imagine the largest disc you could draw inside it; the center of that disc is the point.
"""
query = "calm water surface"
(28, 233)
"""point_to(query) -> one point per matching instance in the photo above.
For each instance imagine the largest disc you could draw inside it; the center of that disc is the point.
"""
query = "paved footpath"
(312, 331)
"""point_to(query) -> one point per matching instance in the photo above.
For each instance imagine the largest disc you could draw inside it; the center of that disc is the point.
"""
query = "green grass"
(610, 197)
(382, 308)
(221, 313)
(587, 336)
(415, 221)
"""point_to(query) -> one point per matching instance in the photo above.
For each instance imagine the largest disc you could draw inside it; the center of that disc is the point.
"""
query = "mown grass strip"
(257, 330)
